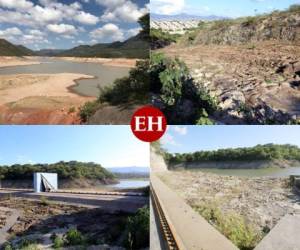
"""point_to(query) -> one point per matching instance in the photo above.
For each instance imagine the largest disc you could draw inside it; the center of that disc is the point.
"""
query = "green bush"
(88, 110)
(58, 242)
(74, 237)
(31, 247)
(134, 88)
(172, 82)
(7, 246)
(137, 229)
(233, 226)
(160, 38)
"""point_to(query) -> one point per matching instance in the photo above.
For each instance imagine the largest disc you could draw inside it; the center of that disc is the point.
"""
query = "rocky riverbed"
(254, 83)
(262, 202)
(40, 221)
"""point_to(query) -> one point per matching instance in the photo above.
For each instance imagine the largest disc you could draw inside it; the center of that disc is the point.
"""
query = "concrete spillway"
(192, 232)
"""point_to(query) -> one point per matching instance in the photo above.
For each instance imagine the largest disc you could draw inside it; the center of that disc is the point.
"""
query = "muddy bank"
(6, 61)
(237, 164)
(115, 62)
(262, 202)
(40, 99)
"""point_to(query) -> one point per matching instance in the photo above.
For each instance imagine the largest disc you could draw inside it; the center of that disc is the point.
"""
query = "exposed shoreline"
(115, 62)
(261, 201)
(235, 165)
(9, 61)
(40, 98)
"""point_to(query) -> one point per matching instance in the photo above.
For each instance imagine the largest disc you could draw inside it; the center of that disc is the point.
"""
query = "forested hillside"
(257, 153)
(65, 170)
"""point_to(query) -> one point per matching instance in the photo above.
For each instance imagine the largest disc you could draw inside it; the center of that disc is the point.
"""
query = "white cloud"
(11, 32)
(48, 12)
(121, 10)
(86, 18)
(36, 32)
(180, 130)
(133, 32)
(16, 4)
(168, 139)
(167, 7)
(63, 29)
(108, 33)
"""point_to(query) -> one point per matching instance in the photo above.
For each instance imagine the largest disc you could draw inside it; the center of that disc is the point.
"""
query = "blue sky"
(225, 8)
(111, 146)
(61, 24)
(180, 139)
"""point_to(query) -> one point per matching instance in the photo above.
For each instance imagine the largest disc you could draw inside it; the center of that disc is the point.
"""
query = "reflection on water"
(271, 172)
(131, 184)
(104, 75)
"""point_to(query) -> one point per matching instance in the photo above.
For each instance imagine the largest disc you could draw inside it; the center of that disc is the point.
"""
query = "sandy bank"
(116, 62)
(16, 87)
(40, 99)
(6, 61)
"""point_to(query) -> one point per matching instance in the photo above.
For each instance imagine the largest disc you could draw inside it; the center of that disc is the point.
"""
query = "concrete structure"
(44, 182)
(284, 236)
(192, 231)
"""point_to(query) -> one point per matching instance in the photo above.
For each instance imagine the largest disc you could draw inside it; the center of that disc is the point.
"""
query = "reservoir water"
(130, 183)
(104, 75)
(265, 172)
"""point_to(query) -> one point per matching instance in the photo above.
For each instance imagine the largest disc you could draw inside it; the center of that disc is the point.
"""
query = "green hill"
(9, 49)
(278, 25)
(72, 170)
(268, 152)
(135, 47)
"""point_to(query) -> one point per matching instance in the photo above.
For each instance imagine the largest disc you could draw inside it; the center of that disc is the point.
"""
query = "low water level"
(104, 75)
(270, 172)
(131, 184)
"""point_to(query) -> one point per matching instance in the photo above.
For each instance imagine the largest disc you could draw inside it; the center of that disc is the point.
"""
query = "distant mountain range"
(135, 47)
(184, 17)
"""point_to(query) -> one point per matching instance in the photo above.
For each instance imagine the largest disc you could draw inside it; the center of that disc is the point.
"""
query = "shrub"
(88, 110)
(233, 226)
(72, 110)
(138, 230)
(134, 88)
(74, 237)
(44, 201)
(58, 242)
(294, 8)
(31, 247)
(172, 83)
(162, 38)
(8, 247)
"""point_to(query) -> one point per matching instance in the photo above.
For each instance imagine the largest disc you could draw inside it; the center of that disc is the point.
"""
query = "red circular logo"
(148, 124)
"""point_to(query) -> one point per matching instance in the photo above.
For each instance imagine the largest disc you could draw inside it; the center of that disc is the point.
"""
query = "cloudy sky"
(183, 139)
(225, 8)
(111, 146)
(63, 24)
